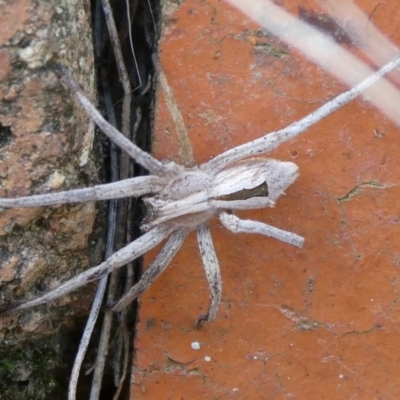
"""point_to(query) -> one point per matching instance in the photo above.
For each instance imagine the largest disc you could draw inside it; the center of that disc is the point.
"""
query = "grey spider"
(180, 199)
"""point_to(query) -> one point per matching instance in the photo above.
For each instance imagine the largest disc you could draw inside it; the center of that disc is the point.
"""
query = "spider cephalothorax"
(180, 200)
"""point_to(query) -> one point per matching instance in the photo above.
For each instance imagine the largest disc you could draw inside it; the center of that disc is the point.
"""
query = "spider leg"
(154, 166)
(154, 270)
(213, 273)
(133, 250)
(129, 187)
(272, 140)
(236, 225)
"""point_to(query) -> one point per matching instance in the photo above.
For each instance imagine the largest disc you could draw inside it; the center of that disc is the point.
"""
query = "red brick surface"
(322, 322)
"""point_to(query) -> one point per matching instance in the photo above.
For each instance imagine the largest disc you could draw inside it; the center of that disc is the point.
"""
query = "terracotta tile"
(317, 323)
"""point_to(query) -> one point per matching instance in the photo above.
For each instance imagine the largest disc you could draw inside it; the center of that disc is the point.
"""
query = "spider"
(180, 200)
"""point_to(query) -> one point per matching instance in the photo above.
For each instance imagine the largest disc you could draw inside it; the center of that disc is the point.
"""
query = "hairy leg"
(130, 252)
(213, 273)
(154, 270)
(274, 139)
(154, 166)
(237, 225)
(129, 187)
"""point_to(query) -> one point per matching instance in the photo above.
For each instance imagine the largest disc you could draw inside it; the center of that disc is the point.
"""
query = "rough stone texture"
(45, 141)
(317, 323)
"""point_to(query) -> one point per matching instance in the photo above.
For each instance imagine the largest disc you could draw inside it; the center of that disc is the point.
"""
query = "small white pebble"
(255, 358)
(195, 345)
(207, 359)
(341, 376)
(235, 389)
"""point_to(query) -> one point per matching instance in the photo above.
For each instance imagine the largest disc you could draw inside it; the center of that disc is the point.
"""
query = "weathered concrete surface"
(45, 144)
